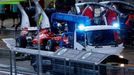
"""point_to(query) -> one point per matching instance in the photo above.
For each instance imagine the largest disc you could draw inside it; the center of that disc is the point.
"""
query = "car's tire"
(50, 45)
(21, 42)
(43, 47)
(18, 42)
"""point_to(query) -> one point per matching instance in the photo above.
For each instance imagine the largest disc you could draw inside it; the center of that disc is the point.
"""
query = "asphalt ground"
(8, 32)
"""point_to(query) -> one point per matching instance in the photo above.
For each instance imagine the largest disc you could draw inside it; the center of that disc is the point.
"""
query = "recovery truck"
(67, 21)
(89, 37)
(82, 35)
(71, 24)
(126, 20)
(92, 38)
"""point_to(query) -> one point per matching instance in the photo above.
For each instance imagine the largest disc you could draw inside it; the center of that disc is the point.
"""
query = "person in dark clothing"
(14, 14)
(23, 41)
(2, 15)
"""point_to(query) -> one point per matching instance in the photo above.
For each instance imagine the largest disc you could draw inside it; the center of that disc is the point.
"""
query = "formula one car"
(28, 32)
(126, 20)
(44, 34)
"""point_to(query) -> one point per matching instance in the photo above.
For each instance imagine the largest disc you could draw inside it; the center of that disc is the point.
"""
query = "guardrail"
(69, 67)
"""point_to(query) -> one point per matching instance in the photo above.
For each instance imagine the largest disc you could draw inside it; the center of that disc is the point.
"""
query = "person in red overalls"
(112, 17)
(88, 11)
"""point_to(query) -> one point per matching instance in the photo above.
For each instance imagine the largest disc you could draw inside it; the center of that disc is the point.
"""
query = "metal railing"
(66, 67)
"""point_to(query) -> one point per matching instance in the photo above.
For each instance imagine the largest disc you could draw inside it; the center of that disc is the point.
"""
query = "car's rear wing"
(32, 28)
(25, 19)
(43, 19)
(78, 19)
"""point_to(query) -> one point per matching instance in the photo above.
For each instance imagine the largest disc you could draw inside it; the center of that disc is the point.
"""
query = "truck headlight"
(121, 56)
(116, 25)
(122, 65)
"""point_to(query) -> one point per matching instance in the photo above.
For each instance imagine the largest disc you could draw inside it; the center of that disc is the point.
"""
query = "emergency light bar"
(78, 19)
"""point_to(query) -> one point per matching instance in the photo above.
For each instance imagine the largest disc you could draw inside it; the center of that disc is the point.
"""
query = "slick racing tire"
(21, 42)
(50, 45)
(18, 42)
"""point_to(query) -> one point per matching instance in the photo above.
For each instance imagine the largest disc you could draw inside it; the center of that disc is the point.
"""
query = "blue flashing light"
(116, 25)
(81, 27)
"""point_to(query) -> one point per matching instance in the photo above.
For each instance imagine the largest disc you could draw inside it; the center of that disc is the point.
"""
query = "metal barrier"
(69, 67)
(60, 67)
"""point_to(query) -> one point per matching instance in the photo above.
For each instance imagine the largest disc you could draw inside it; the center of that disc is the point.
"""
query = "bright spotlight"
(121, 56)
(122, 65)
(58, 24)
(116, 25)
(81, 27)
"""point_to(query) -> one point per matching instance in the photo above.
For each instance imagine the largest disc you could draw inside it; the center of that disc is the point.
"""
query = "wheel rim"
(18, 43)
(48, 45)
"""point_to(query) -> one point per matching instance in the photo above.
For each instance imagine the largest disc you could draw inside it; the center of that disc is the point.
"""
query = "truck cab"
(98, 39)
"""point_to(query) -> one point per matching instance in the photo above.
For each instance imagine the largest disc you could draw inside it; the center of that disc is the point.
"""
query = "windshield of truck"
(100, 38)
(96, 38)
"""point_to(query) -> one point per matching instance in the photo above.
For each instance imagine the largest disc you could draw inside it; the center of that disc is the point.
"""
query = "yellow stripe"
(40, 20)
